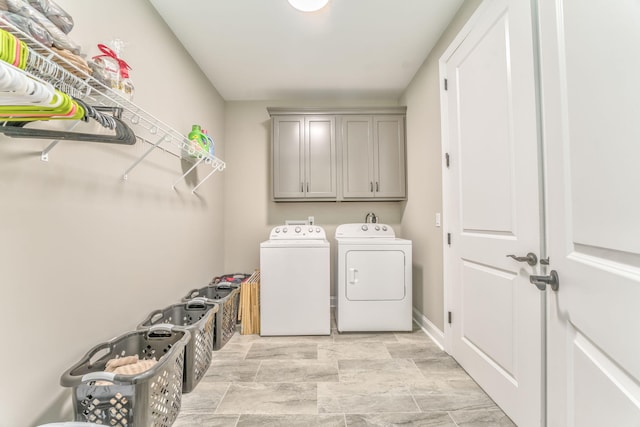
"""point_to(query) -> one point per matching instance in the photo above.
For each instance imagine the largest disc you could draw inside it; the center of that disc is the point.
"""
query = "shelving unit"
(147, 128)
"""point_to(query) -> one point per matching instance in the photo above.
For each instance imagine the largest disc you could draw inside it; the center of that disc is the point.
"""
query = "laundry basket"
(150, 398)
(227, 296)
(198, 318)
(234, 279)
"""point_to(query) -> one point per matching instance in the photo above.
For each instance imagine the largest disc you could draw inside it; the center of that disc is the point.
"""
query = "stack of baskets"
(170, 352)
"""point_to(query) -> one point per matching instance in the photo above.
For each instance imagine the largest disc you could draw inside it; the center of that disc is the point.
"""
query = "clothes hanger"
(24, 99)
(123, 133)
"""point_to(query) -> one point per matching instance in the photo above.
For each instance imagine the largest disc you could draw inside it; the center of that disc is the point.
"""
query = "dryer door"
(375, 275)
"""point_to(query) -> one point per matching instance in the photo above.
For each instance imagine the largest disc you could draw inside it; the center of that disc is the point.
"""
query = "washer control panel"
(365, 230)
(297, 232)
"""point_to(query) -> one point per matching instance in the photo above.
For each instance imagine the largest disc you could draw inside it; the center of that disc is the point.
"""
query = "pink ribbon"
(122, 65)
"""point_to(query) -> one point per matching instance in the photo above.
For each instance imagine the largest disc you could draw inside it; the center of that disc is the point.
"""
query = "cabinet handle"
(371, 186)
(377, 187)
(302, 187)
(307, 187)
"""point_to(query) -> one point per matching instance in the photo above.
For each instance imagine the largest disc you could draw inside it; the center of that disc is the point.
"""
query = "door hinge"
(446, 85)
(449, 316)
(446, 159)
(449, 239)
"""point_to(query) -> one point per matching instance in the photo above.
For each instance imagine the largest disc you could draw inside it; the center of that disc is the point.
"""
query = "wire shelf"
(80, 85)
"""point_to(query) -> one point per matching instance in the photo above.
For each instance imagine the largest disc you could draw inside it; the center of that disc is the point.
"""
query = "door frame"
(447, 199)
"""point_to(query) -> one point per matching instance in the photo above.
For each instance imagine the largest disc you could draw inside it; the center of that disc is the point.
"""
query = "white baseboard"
(429, 328)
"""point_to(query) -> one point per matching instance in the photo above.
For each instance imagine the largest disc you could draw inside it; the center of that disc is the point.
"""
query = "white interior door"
(591, 115)
(492, 208)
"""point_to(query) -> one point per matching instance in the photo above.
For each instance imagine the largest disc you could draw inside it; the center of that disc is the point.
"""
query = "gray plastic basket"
(151, 398)
(227, 297)
(198, 318)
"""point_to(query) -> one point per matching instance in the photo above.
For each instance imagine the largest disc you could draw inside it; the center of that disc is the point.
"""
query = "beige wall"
(85, 257)
(249, 212)
(424, 167)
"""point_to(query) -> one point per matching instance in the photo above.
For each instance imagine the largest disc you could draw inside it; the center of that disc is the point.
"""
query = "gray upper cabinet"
(304, 157)
(357, 156)
(339, 154)
(373, 157)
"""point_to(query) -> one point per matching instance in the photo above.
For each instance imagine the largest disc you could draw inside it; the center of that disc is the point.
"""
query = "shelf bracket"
(218, 167)
(125, 176)
(44, 156)
(45, 153)
(200, 160)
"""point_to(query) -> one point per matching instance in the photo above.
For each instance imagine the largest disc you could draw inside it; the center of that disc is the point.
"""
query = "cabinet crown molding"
(288, 111)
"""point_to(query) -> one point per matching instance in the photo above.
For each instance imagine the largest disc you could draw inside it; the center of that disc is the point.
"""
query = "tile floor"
(350, 379)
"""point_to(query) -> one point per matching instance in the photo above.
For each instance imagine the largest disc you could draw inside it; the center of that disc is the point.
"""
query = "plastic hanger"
(123, 135)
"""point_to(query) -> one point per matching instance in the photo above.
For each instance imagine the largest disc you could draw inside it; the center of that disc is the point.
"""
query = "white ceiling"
(266, 50)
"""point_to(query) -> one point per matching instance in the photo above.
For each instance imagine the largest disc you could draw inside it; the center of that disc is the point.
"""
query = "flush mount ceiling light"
(308, 5)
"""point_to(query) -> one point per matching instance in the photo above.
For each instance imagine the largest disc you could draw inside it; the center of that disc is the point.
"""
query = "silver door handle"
(377, 187)
(371, 186)
(530, 259)
(307, 187)
(541, 282)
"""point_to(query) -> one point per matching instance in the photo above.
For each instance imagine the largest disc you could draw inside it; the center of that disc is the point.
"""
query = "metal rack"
(85, 87)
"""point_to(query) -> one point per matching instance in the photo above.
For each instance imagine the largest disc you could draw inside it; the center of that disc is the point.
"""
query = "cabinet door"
(357, 157)
(320, 157)
(389, 156)
(288, 157)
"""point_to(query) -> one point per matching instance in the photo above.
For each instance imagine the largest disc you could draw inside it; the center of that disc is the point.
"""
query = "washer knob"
(377, 228)
(317, 229)
(384, 228)
(285, 229)
(364, 228)
(277, 230)
(298, 229)
(310, 229)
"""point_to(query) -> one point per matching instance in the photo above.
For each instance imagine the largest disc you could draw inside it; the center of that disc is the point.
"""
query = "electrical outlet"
(438, 219)
(312, 220)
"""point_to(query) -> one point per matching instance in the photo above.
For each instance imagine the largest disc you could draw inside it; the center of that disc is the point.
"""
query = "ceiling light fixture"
(308, 5)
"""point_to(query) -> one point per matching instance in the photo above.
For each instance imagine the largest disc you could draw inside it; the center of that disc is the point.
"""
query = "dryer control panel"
(364, 230)
(297, 232)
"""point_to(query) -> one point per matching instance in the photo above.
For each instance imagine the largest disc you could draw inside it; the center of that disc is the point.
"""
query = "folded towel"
(112, 364)
(135, 368)
(127, 365)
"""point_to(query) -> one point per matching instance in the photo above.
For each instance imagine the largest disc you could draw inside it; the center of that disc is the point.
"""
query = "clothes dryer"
(295, 282)
(373, 279)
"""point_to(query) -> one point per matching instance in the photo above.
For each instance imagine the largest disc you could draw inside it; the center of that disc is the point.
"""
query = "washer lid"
(365, 231)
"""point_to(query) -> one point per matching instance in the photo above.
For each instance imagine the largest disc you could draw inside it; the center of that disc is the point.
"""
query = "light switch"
(438, 219)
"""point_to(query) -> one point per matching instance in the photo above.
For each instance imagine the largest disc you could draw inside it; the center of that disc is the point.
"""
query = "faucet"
(371, 218)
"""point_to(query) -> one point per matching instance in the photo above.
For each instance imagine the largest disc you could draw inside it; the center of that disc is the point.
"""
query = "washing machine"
(373, 279)
(295, 282)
